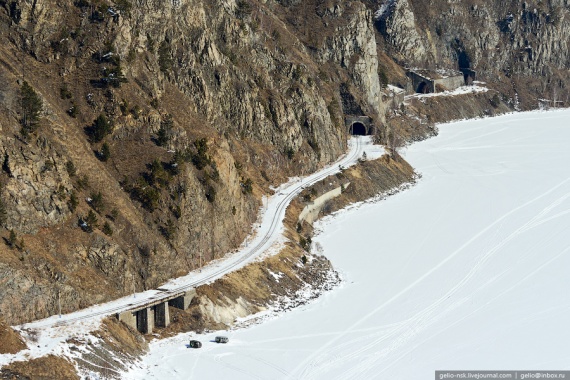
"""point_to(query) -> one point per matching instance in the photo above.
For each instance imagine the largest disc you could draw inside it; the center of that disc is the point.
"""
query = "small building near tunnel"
(394, 95)
(430, 81)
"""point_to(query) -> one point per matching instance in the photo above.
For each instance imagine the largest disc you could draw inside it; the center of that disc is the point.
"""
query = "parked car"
(195, 344)
(222, 339)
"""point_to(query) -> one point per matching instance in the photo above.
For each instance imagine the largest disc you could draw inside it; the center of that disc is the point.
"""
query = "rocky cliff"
(137, 137)
(161, 124)
(520, 47)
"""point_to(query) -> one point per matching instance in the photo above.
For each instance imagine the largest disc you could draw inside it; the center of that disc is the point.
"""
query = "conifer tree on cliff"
(31, 109)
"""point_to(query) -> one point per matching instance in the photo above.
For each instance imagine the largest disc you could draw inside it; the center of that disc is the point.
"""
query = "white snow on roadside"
(458, 91)
(465, 270)
(276, 276)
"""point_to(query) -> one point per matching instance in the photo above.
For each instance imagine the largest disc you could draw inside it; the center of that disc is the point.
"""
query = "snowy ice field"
(469, 269)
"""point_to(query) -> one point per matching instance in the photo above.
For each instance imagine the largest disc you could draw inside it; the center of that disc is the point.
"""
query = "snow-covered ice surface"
(466, 270)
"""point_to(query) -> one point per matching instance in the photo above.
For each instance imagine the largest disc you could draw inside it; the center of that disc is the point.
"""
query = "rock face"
(234, 76)
(353, 45)
(519, 46)
(206, 104)
(38, 186)
(397, 22)
(162, 123)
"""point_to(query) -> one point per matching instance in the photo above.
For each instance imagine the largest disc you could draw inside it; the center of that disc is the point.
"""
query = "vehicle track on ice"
(314, 364)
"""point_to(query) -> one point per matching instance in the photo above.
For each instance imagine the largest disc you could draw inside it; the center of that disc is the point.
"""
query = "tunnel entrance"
(358, 129)
(464, 63)
(463, 60)
(423, 88)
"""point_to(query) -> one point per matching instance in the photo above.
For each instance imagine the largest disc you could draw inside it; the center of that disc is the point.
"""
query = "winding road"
(268, 233)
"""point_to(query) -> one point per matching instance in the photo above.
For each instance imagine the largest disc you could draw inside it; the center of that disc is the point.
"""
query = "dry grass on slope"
(46, 368)
(10, 341)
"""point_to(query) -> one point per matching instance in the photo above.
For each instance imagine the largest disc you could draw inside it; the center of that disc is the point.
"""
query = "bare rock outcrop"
(38, 185)
(352, 44)
(522, 48)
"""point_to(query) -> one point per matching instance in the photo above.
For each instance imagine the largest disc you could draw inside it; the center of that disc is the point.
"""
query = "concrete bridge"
(359, 125)
(155, 313)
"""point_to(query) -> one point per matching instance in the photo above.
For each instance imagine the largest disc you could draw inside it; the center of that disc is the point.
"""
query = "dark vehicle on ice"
(195, 344)
(222, 339)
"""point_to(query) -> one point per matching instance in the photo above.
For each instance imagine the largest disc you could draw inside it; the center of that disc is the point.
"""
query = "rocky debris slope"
(45, 368)
(293, 277)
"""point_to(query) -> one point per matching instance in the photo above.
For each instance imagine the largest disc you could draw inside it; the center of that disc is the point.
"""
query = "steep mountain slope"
(161, 123)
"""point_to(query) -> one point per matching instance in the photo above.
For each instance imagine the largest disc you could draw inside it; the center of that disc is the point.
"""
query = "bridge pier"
(145, 320)
(182, 302)
(162, 314)
(150, 319)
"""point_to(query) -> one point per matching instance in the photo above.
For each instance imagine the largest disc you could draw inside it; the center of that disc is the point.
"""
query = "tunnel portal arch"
(423, 88)
(359, 125)
(358, 129)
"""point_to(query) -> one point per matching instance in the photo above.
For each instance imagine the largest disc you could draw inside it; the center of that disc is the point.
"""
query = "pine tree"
(31, 109)
(91, 221)
(165, 60)
(158, 176)
(12, 239)
(165, 132)
(73, 201)
(70, 167)
(243, 9)
(107, 230)
(97, 201)
(169, 230)
(101, 127)
(105, 152)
